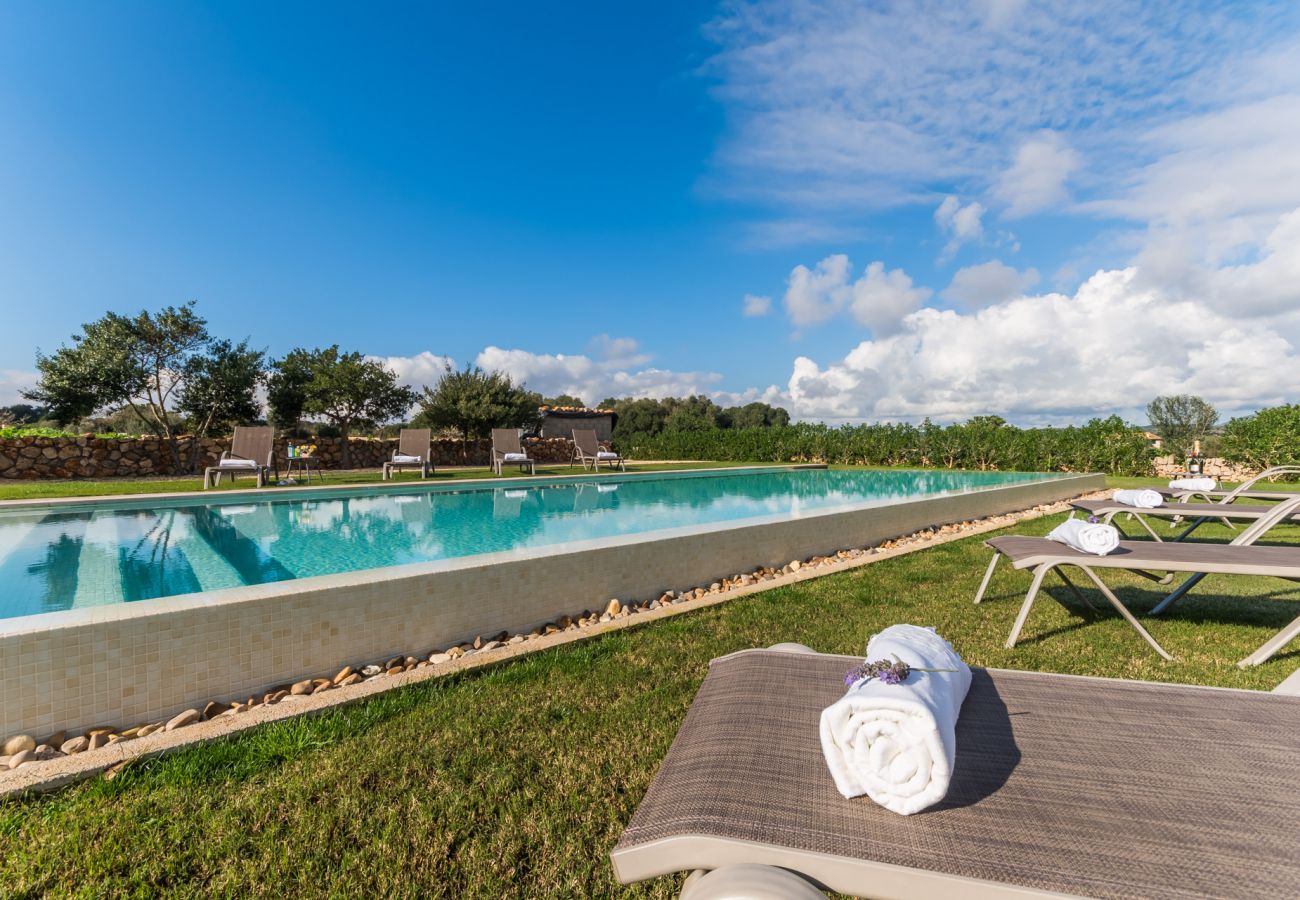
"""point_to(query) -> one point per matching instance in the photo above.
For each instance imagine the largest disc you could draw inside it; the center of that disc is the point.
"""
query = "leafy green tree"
(563, 400)
(350, 391)
(694, 413)
(221, 387)
(1270, 437)
(642, 416)
(286, 389)
(1180, 420)
(21, 414)
(141, 361)
(987, 421)
(753, 415)
(473, 402)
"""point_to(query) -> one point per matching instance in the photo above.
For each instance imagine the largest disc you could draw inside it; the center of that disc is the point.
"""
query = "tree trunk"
(345, 455)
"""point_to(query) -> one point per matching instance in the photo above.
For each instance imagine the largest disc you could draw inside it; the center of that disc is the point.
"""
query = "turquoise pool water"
(117, 552)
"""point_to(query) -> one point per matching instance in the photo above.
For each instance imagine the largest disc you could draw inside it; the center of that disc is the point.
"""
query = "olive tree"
(473, 402)
(1181, 419)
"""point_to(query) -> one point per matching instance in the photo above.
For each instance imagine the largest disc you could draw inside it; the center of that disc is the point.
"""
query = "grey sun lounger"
(508, 450)
(1063, 786)
(587, 450)
(1146, 558)
(252, 452)
(414, 447)
(1244, 490)
(1197, 513)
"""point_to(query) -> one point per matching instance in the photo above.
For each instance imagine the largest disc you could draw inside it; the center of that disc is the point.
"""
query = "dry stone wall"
(1214, 467)
(87, 456)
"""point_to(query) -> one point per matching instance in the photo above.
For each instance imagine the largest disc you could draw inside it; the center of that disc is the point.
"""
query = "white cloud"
(13, 382)
(1111, 347)
(617, 352)
(879, 299)
(757, 305)
(592, 380)
(1035, 180)
(991, 282)
(418, 370)
(961, 223)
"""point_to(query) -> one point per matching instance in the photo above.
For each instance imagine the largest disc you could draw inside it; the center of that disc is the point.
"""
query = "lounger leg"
(988, 576)
(1272, 645)
(1190, 528)
(1177, 594)
(1123, 611)
(1039, 574)
(1142, 520)
(1078, 594)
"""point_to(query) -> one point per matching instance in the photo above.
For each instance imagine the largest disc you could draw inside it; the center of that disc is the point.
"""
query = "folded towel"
(1193, 484)
(238, 464)
(1144, 499)
(606, 488)
(1086, 537)
(515, 457)
(896, 743)
(605, 454)
(401, 458)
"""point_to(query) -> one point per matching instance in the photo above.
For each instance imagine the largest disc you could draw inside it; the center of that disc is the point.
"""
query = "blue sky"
(1014, 207)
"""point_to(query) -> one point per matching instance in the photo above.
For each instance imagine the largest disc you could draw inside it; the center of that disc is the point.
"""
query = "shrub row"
(1270, 437)
(1103, 445)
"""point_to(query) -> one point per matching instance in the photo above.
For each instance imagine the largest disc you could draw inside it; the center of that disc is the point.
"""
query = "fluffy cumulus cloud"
(1111, 346)
(593, 379)
(878, 299)
(1036, 178)
(756, 305)
(418, 370)
(961, 223)
(991, 282)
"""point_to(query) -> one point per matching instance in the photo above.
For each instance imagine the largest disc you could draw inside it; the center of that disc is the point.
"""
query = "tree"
(473, 402)
(642, 416)
(286, 389)
(563, 400)
(1180, 420)
(142, 362)
(694, 413)
(22, 414)
(753, 415)
(987, 421)
(221, 388)
(350, 391)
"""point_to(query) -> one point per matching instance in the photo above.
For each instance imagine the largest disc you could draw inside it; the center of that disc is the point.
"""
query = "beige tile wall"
(130, 663)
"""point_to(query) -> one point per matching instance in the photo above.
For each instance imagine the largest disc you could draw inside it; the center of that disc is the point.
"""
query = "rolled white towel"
(896, 743)
(1193, 484)
(1086, 537)
(515, 457)
(237, 463)
(410, 460)
(1143, 499)
(606, 454)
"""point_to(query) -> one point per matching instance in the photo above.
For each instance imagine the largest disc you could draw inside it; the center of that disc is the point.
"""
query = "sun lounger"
(508, 450)
(587, 450)
(414, 446)
(1146, 558)
(1245, 490)
(1198, 513)
(252, 452)
(1063, 786)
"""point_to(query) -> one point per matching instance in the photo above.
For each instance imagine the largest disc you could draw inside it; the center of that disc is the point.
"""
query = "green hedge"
(1103, 445)
(1270, 437)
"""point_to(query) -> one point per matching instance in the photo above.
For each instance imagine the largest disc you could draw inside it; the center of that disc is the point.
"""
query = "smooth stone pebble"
(17, 744)
(75, 745)
(22, 756)
(344, 672)
(439, 658)
(180, 720)
(301, 687)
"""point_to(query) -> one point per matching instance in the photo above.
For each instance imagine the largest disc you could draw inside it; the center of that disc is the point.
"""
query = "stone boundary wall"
(87, 456)
(1215, 467)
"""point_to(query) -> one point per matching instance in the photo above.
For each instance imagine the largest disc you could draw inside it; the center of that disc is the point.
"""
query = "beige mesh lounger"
(508, 450)
(1063, 786)
(587, 450)
(414, 448)
(252, 452)
(1146, 558)
(1245, 490)
(1197, 514)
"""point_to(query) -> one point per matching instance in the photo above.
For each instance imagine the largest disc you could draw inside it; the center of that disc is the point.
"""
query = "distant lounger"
(587, 450)
(508, 450)
(1063, 786)
(413, 452)
(1197, 513)
(252, 452)
(1146, 558)
(1246, 490)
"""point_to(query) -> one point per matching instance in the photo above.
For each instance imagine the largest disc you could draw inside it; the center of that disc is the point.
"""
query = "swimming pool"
(111, 552)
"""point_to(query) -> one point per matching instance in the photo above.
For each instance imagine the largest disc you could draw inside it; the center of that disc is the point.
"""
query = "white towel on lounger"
(236, 463)
(897, 743)
(605, 454)
(1086, 537)
(409, 460)
(515, 457)
(1193, 484)
(1143, 499)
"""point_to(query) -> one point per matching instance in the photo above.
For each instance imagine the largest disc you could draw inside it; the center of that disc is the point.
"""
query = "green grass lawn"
(103, 487)
(517, 780)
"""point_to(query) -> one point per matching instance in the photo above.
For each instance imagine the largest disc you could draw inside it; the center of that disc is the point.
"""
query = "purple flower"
(1093, 520)
(889, 676)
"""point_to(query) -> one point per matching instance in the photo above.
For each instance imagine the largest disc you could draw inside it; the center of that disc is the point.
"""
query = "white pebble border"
(65, 758)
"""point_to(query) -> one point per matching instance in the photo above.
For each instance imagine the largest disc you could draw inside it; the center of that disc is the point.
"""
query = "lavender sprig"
(885, 671)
